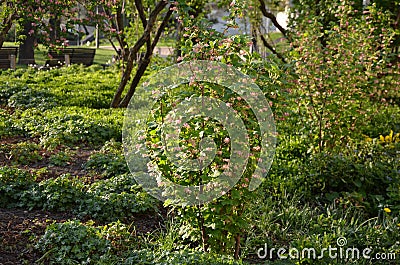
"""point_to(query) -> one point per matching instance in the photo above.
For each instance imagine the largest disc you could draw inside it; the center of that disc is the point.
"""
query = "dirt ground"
(20, 229)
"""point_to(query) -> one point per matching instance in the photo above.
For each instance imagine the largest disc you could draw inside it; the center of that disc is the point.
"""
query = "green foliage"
(25, 153)
(70, 125)
(382, 123)
(338, 94)
(201, 42)
(339, 66)
(220, 223)
(31, 98)
(59, 194)
(5, 123)
(360, 178)
(116, 198)
(13, 182)
(9, 88)
(73, 243)
(61, 158)
(112, 199)
(109, 161)
(62, 193)
(282, 222)
(67, 86)
(185, 257)
(357, 176)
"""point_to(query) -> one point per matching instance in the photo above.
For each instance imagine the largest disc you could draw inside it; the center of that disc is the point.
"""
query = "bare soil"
(20, 229)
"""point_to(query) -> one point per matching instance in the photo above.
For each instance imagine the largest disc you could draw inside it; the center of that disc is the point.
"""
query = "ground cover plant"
(66, 158)
(67, 195)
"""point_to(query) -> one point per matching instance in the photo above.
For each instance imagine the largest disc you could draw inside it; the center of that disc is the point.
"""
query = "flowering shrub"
(339, 67)
(219, 225)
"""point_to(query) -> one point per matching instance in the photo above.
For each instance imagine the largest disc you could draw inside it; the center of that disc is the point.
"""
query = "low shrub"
(67, 86)
(62, 193)
(61, 158)
(25, 153)
(109, 161)
(73, 242)
(31, 98)
(13, 182)
(116, 198)
(70, 125)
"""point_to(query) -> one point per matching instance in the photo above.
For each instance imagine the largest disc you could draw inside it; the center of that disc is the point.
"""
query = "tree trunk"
(55, 26)
(272, 17)
(237, 246)
(26, 48)
(124, 80)
(144, 62)
(139, 73)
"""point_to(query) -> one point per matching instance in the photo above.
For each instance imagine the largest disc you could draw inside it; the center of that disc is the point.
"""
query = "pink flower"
(227, 140)
(256, 148)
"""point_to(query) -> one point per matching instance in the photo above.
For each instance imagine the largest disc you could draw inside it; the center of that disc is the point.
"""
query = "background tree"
(7, 16)
(152, 26)
(47, 22)
(342, 54)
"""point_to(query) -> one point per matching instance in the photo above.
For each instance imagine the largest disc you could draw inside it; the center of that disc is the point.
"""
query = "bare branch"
(142, 15)
(272, 49)
(132, 56)
(271, 16)
(150, 24)
(161, 27)
(144, 62)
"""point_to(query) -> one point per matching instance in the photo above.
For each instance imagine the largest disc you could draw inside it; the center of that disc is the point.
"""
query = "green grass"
(166, 42)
